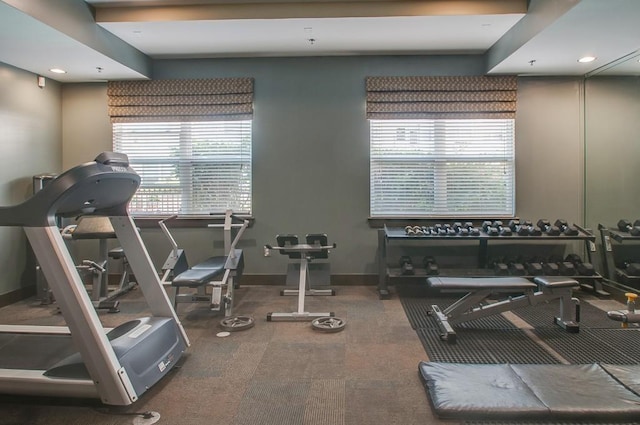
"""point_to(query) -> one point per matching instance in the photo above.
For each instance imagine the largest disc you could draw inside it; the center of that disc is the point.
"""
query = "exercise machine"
(213, 279)
(288, 245)
(119, 365)
(99, 228)
(522, 292)
(630, 315)
(318, 272)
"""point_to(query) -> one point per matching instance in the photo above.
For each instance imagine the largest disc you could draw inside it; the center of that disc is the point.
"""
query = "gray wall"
(30, 144)
(311, 151)
(612, 130)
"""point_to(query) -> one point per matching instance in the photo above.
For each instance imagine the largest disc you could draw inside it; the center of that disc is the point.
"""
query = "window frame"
(185, 165)
(440, 159)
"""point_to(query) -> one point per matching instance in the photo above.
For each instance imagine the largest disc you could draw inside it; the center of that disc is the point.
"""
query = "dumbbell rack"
(388, 236)
(609, 237)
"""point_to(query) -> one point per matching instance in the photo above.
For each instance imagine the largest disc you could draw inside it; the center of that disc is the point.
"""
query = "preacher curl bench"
(472, 305)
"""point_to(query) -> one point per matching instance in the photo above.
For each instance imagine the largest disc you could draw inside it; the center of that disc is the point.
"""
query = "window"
(442, 167)
(189, 140)
(188, 168)
(442, 146)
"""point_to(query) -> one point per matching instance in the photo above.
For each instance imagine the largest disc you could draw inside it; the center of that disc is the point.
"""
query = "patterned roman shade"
(464, 97)
(217, 99)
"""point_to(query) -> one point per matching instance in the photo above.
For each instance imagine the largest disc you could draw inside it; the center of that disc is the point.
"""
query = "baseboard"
(17, 295)
(336, 279)
(247, 279)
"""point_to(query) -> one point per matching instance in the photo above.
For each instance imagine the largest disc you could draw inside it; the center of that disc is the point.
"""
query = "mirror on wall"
(612, 164)
(612, 148)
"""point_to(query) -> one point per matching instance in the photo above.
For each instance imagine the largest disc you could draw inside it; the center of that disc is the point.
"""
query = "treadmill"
(83, 359)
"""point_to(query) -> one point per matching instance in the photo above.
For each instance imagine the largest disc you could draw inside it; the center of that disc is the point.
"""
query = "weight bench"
(207, 274)
(478, 290)
(214, 279)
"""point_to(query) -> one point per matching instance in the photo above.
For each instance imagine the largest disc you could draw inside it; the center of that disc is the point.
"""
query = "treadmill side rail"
(34, 383)
(76, 307)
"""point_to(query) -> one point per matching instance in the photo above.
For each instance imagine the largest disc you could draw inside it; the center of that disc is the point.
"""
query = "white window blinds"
(448, 167)
(188, 168)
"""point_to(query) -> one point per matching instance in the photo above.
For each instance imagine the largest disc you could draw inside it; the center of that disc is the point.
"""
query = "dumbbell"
(625, 226)
(583, 269)
(534, 268)
(517, 269)
(514, 225)
(565, 228)
(450, 230)
(406, 265)
(460, 229)
(502, 229)
(550, 269)
(488, 228)
(546, 227)
(473, 231)
(528, 229)
(566, 268)
(430, 266)
(440, 230)
(500, 268)
(409, 230)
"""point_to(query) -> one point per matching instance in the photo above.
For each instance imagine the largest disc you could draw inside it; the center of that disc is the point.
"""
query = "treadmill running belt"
(29, 351)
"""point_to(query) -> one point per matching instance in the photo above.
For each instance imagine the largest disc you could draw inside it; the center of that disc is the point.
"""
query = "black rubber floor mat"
(417, 311)
(485, 346)
(615, 346)
(542, 315)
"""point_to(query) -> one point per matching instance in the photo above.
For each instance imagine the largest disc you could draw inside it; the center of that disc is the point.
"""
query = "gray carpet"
(274, 373)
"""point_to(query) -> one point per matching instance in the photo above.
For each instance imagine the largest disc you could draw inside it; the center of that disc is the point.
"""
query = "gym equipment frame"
(617, 245)
(301, 252)
(522, 292)
(100, 228)
(391, 237)
(119, 366)
(293, 274)
(213, 279)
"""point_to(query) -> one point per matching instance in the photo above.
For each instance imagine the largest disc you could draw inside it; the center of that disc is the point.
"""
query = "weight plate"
(328, 324)
(237, 323)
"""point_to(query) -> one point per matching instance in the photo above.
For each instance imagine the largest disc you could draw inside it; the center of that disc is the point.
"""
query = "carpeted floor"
(276, 373)
(281, 373)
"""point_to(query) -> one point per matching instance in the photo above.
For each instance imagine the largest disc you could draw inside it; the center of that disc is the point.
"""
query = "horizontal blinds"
(188, 167)
(456, 167)
(217, 99)
(441, 97)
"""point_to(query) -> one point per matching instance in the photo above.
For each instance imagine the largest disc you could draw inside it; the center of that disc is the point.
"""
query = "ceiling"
(112, 39)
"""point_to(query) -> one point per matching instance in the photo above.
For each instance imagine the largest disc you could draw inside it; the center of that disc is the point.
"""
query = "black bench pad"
(503, 391)
(201, 273)
(477, 283)
(556, 282)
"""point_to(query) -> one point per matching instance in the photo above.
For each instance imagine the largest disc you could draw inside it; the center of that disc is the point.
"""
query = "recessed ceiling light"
(58, 71)
(587, 59)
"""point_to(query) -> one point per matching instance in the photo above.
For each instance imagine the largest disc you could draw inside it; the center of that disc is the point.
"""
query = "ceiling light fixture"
(58, 71)
(587, 59)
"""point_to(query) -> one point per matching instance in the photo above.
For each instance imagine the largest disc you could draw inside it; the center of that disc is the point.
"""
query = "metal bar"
(145, 273)
(87, 333)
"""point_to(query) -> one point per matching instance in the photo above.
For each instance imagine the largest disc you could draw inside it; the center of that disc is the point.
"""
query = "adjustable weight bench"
(206, 274)
(214, 279)
(521, 293)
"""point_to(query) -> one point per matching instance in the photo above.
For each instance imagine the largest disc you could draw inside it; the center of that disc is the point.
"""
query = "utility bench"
(520, 292)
